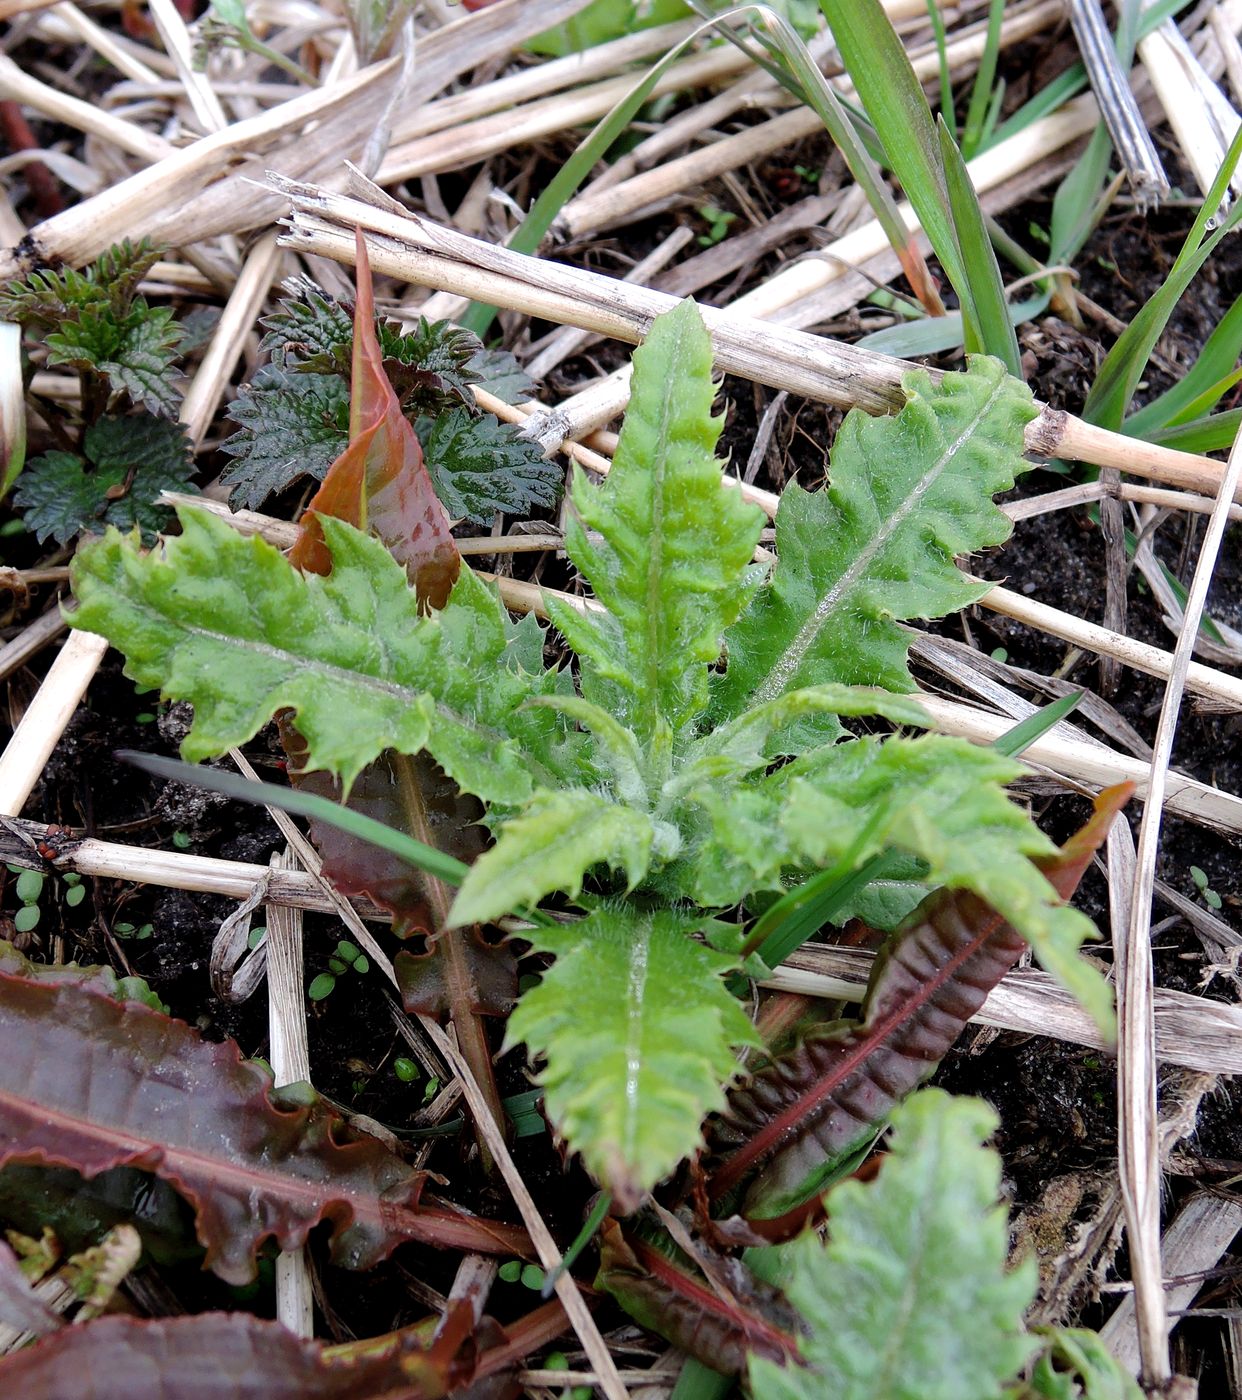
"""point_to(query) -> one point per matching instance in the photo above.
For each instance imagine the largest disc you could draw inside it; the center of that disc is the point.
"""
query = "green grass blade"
(877, 63)
(1120, 373)
(981, 92)
(942, 60)
(932, 335)
(1212, 371)
(988, 318)
(823, 101)
(303, 804)
(1215, 433)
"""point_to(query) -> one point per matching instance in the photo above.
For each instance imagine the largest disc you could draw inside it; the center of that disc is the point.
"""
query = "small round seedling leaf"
(26, 918)
(29, 886)
(321, 986)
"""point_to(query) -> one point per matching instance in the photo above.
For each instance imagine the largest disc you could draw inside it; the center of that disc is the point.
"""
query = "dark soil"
(1056, 1102)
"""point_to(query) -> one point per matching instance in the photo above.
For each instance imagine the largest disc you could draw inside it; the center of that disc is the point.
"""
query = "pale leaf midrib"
(786, 665)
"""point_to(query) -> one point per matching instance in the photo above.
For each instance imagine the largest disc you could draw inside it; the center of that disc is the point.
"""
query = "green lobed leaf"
(676, 544)
(226, 622)
(910, 1298)
(128, 462)
(551, 846)
(636, 1025)
(48, 298)
(480, 465)
(938, 799)
(291, 426)
(907, 494)
(1076, 1365)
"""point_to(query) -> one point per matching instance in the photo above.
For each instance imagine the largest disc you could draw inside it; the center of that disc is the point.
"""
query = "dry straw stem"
(1190, 1031)
(1140, 1176)
(81, 116)
(176, 38)
(1131, 139)
(289, 1054)
(106, 45)
(243, 306)
(829, 371)
(597, 208)
(1204, 1229)
(1198, 112)
(44, 722)
(31, 640)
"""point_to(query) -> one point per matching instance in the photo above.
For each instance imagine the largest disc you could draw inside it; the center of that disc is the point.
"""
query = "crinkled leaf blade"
(910, 1298)
(480, 465)
(380, 483)
(798, 1117)
(636, 1025)
(147, 1092)
(907, 494)
(227, 623)
(550, 847)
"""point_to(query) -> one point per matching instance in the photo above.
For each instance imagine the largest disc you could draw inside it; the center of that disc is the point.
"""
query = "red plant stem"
(19, 137)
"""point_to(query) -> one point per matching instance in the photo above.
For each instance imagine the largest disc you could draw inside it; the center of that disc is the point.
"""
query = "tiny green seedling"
(29, 890)
(137, 932)
(718, 221)
(1206, 892)
(405, 1070)
(348, 955)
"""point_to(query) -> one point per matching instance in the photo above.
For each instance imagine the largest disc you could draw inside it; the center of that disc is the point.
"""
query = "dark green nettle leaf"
(226, 622)
(46, 299)
(636, 1025)
(499, 373)
(907, 495)
(136, 352)
(431, 366)
(309, 328)
(480, 465)
(127, 463)
(292, 426)
(910, 1298)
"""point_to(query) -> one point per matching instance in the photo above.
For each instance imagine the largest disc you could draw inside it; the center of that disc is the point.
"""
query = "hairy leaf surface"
(147, 1092)
(227, 623)
(800, 1116)
(636, 1026)
(910, 1298)
(907, 494)
(550, 847)
(676, 542)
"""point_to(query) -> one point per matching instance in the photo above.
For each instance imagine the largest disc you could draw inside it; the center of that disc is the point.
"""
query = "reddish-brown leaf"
(719, 1325)
(380, 483)
(89, 1083)
(804, 1113)
(233, 1356)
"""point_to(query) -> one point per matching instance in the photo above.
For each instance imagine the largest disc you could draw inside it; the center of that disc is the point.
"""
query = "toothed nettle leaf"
(480, 465)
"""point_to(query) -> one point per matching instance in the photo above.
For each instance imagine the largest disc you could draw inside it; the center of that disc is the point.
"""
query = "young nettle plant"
(696, 762)
(121, 445)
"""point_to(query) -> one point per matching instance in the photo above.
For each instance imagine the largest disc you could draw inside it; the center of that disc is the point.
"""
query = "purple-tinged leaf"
(798, 1118)
(146, 1091)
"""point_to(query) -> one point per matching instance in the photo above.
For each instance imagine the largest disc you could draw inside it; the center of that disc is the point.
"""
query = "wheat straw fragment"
(828, 371)
(81, 116)
(40, 728)
(31, 640)
(1190, 1031)
(176, 38)
(105, 45)
(1131, 139)
(203, 396)
(289, 1056)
